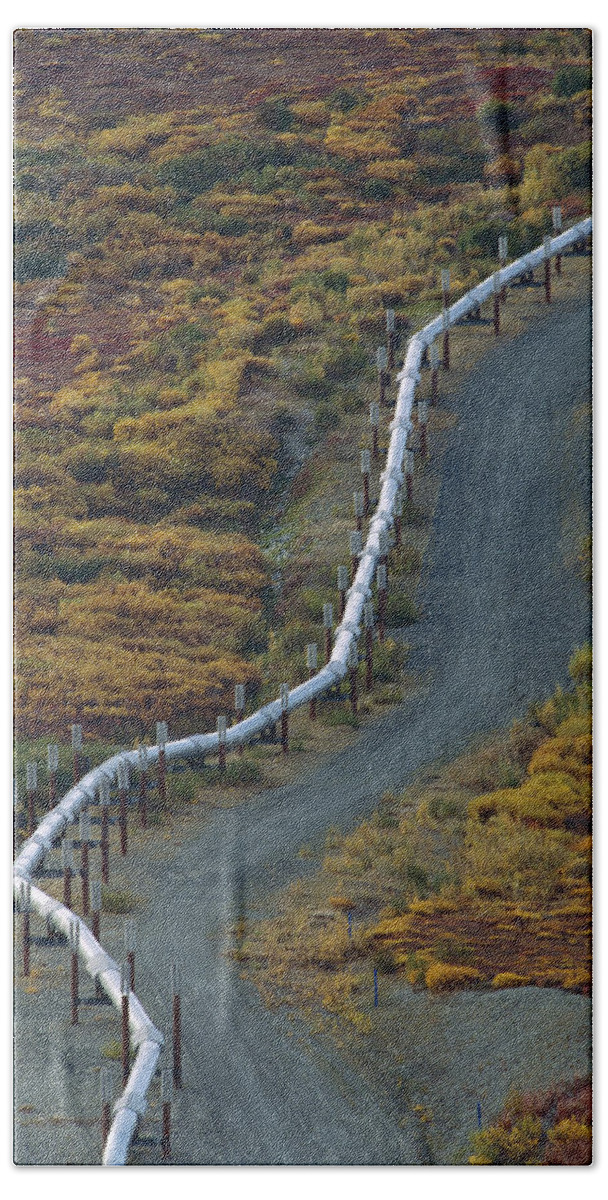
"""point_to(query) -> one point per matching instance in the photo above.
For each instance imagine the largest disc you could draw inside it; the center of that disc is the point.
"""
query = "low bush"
(444, 977)
(508, 979)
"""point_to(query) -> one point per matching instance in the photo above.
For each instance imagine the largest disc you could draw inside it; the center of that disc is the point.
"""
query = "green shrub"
(400, 609)
(184, 786)
(567, 81)
(118, 900)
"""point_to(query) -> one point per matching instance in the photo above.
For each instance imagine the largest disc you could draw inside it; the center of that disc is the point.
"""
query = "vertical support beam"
(547, 262)
(95, 900)
(342, 589)
(142, 762)
(398, 515)
(503, 255)
(368, 620)
(129, 936)
(311, 663)
(123, 789)
(374, 420)
(356, 546)
(446, 341)
(556, 217)
(381, 585)
(104, 801)
(74, 944)
(85, 838)
(52, 759)
(162, 733)
(423, 416)
(239, 709)
(125, 1048)
(221, 742)
(353, 664)
(177, 1027)
(409, 475)
(67, 863)
(105, 1096)
(25, 905)
(284, 697)
(328, 624)
(445, 291)
(165, 1099)
(434, 355)
(365, 470)
(358, 509)
(496, 287)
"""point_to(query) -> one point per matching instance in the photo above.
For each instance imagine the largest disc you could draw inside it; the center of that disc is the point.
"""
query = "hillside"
(209, 227)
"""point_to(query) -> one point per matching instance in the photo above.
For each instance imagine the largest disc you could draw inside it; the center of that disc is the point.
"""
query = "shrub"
(567, 81)
(443, 977)
(400, 609)
(509, 1143)
(508, 979)
(118, 900)
(184, 786)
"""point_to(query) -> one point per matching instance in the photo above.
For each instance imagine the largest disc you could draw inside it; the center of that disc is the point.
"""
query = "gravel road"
(503, 609)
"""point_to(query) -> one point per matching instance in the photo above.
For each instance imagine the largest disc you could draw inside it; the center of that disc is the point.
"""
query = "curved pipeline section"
(148, 1040)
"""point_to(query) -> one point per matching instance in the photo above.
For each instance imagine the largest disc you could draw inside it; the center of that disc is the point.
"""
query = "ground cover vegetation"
(477, 876)
(551, 1128)
(209, 226)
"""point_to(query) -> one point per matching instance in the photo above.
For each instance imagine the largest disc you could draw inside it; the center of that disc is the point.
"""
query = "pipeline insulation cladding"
(145, 1038)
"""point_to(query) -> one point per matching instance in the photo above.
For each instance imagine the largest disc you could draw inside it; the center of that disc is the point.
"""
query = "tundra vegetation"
(476, 876)
(209, 226)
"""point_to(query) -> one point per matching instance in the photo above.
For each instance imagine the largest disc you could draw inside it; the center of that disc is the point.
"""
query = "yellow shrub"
(508, 979)
(568, 1130)
(442, 977)
(576, 980)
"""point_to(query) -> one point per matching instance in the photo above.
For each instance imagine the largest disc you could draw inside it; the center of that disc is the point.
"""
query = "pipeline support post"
(123, 789)
(142, 762)
(125, 1048)
(67, 863)
(74, 935)
(162, 734)
(85, 838)
(434, 357)
(365, 471)
(547, 263)
(445, 293)
(342, 589)
(104, 840)
(239, 710)
(409, 474)
(177, 1027)
(284, 697)
(221, 742)
(52, 759)
(503, 255)
(496, 289)
(353, 664)
(368, 619)
(374, 420)
(381, 582)
(356, 547)
(556, 216)
(311, 663)
(165, 1099)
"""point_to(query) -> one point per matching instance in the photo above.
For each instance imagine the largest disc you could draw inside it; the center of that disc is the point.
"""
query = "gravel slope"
(502, 613)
